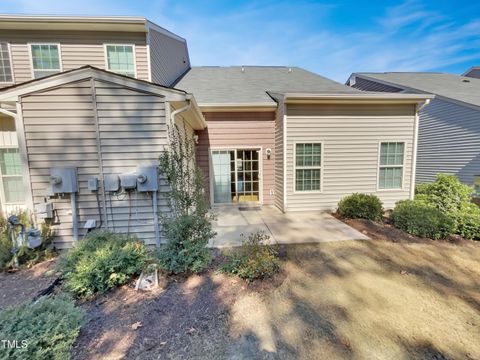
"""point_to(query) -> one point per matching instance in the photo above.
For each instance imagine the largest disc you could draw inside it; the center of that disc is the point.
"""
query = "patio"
(283, 228)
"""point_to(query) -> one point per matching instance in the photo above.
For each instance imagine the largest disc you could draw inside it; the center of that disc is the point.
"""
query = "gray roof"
(231, 85)
(456, 87)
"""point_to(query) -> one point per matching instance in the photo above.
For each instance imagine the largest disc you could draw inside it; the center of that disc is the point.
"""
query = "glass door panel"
(221, 177)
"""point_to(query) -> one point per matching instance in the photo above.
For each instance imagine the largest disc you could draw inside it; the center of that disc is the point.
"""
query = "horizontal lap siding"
(368, 85)
(350, 136)
(449, 141)
(77, 49)
(238, 129)
(132, 132)
(169, 58)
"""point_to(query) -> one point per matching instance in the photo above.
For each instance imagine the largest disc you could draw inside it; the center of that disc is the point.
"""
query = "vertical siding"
(350, 136)
(449, 141)
(169, 58)
(236, 130)
(77, 49)
(367, 85)
(61, 130)
(279, 171)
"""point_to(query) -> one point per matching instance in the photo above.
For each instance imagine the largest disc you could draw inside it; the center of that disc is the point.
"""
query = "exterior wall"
(237, 130)
(279, 170)
(351, 135)
(84, 125)
(169, 58)
(367, 85)
(475, 73)
(76, 49)
(449, 141)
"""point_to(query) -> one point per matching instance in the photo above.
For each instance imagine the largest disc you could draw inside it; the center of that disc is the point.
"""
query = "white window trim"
(60, 62)
(134, 52)
(322, 149)
(11, 64)
(3, 196)
(405, 143)
(234, 148)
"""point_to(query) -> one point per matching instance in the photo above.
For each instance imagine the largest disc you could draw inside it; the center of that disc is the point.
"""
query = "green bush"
(420, 219)
(49, 328)
(254, 260)
(447, 193)
(467, 221)
(361, 206)
(186, 249)
(102, 261)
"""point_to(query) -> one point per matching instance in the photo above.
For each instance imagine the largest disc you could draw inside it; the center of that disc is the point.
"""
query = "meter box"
(111, 182)
(63, 180)
(44, 210)
(128, 181)
(147, 178)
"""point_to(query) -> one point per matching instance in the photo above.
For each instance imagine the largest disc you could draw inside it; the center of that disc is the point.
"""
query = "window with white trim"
(120, 59)
(308, 166)
(391, 165)
(45, 59)
(6, 75)
(11, 175)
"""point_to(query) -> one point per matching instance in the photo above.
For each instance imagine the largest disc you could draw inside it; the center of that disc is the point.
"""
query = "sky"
(333, 38)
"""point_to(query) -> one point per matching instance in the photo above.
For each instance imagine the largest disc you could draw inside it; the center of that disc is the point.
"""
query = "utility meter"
(63, 180)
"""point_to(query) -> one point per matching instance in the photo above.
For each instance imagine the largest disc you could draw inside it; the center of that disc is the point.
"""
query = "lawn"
(342, 300)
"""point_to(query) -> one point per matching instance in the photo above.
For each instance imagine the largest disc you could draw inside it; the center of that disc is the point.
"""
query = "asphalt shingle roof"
(231, 85)
(452, 86)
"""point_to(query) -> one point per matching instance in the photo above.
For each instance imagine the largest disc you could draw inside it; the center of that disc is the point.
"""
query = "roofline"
(112, 23)
(251, 106)
(360, 97)
(407, 88)
(471, 68)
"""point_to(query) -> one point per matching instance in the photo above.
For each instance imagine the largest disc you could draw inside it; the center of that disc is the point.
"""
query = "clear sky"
(332, 38)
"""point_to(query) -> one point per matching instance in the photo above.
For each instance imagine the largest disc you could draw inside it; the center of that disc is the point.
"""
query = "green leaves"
(361, 206)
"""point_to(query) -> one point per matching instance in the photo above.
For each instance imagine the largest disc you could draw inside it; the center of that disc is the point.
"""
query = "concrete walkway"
(288, 228)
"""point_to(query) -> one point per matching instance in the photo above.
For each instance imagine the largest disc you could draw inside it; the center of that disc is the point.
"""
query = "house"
(449, 129)
(474, 72)
(86, 113)
(287, 137)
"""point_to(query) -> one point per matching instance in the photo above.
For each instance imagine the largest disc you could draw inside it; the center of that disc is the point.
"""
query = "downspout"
(418, 107)
(156, 224)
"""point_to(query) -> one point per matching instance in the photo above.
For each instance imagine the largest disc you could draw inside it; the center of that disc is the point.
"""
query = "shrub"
(187, 228)
(447, 193)
(49, 328)
(361, 206)
(186, 249)
(467, 221)
(420, 219)
(254, 260)
(102, 261)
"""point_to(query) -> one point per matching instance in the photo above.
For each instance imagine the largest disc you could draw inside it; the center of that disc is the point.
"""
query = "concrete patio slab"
(283, 228)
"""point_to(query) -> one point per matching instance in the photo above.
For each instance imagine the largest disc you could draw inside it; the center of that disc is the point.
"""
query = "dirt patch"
(24, 285)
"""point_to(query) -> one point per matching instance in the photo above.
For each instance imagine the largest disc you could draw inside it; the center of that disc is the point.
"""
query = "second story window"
(5, 64)
(45, 59)
(120, 59)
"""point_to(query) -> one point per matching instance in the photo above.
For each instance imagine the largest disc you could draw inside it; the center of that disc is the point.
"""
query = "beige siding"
(61, 130)
(237, 130)
(77, 49)
(350, 135)
(279, 170)
(169, 58)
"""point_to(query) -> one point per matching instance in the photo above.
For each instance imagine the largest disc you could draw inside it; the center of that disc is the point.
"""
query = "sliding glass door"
(236, 175)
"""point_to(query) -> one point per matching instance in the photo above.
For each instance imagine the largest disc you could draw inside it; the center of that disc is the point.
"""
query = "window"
(308, 165)
(120, 59)
(11, 172)
(391, 165)
(45, 59)
(5, 64)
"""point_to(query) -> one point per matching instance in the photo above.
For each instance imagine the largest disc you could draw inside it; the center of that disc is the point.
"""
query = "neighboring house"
(287, 137)
(449, 131)
(474, 72)
(36, 46)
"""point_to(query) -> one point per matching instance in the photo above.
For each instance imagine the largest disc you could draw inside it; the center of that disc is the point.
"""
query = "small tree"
(187, 227)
